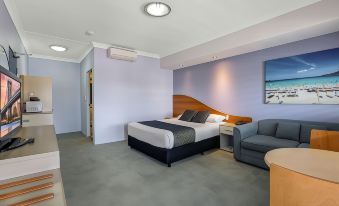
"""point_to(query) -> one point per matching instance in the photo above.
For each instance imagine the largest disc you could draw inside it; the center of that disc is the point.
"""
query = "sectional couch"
(252, 141)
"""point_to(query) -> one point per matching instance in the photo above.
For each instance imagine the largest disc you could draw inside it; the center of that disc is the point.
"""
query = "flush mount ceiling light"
(58, 48)
(89, 32)
(157, 9)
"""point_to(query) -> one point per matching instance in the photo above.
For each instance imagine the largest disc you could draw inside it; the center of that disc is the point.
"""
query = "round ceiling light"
(58, 48)
(157, 9)
(89, 32)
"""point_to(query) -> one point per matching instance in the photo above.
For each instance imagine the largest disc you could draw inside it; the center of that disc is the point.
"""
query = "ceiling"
(175, 38)
(311, 21)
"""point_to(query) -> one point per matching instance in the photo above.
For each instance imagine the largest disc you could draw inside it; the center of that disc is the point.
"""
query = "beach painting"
(311, 78)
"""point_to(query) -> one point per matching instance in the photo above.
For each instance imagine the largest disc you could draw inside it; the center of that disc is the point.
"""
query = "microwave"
(33, 106)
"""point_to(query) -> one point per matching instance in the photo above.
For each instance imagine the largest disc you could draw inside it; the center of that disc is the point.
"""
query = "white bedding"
(164, 138)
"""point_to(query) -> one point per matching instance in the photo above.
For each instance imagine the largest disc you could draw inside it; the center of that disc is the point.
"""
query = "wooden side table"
(226, 136)
(325, 140)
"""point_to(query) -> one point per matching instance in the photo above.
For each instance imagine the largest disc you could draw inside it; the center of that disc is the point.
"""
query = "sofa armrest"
(246, 130)
(241, 132)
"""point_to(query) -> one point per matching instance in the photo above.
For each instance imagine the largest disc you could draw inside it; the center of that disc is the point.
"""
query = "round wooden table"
(321, 164)
(303, 177)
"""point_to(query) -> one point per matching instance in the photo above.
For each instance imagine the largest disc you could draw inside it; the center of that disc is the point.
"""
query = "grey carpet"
(113, 174)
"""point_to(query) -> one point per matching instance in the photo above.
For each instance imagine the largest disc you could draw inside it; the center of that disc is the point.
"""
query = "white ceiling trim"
(56, 37)
(140, 53)
(14, 13)
(54, 58)
(78, 60)
(82, 57)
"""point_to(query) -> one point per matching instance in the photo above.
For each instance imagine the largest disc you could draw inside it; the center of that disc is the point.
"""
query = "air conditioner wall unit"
(122, 54)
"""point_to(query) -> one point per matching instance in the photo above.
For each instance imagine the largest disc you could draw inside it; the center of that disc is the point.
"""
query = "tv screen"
(10, 106)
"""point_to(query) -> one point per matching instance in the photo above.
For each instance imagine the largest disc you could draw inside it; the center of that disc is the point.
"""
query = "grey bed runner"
(182, 134)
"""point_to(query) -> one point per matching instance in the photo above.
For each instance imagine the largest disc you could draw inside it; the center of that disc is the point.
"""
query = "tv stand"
(13, 143)
(33, 158)
(31, 161)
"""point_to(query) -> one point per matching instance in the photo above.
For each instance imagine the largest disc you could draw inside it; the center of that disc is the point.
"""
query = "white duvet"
(164, 138)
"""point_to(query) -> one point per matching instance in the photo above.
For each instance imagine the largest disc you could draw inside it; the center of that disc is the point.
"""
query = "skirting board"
(109, 141)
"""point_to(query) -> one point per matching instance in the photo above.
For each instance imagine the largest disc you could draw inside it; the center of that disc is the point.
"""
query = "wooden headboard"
(182, 102)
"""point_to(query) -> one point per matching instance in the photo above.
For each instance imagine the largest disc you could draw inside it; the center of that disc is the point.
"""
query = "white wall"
(10, 37)
(85, 65)
(66, 91)
(126, 92)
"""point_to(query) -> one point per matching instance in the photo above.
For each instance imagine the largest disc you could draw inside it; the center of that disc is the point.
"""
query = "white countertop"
(40, 156)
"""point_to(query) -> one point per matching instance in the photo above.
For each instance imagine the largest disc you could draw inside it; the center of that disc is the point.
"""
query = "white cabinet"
(40, 87)
(37, 119)
(226, 136)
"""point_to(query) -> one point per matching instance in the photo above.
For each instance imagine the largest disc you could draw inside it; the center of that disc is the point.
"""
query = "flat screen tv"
(10, 105)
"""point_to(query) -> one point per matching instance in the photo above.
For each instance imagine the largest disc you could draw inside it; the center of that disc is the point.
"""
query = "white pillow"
(214, 118)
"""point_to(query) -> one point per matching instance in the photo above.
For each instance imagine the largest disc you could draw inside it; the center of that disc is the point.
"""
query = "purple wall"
(65, 94)
(235, 85)
(126, 92)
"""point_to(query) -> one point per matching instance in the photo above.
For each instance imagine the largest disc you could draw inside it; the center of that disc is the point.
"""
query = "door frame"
(89, 96)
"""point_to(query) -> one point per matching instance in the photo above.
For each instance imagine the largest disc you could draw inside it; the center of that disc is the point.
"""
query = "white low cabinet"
(37, 119)
(226, 136)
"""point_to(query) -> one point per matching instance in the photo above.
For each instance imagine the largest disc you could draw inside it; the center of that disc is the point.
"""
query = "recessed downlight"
(157, 9)
(89, 32)
(58, 48)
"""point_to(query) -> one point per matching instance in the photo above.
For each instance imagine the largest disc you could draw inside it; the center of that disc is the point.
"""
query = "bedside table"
(226, 136)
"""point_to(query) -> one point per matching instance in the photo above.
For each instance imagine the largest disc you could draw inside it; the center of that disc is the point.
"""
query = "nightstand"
(226, 136)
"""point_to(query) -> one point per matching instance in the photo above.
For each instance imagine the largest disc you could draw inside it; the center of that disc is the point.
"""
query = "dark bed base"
(168, 156)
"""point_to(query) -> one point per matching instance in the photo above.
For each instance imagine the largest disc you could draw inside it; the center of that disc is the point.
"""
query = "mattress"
(164, 138)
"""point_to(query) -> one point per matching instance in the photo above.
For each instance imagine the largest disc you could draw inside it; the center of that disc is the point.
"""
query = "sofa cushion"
(267, 128)
(305, 131)
(288, 130)
(304, 145)
(263, 143)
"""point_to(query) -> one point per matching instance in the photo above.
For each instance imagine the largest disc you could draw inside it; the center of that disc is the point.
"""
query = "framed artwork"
(311, 78)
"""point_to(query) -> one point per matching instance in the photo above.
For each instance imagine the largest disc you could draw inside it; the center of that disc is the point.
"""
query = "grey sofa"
(252, 141)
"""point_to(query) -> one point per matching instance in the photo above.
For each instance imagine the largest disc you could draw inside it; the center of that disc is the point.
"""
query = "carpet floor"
(113, 174)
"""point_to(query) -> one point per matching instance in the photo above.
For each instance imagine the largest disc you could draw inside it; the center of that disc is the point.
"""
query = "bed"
(171, 140)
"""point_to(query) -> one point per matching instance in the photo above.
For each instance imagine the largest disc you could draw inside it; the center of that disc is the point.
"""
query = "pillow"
(188, 115)
(201, 117)
(214, 118)
(288, 130)
(305, 132)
